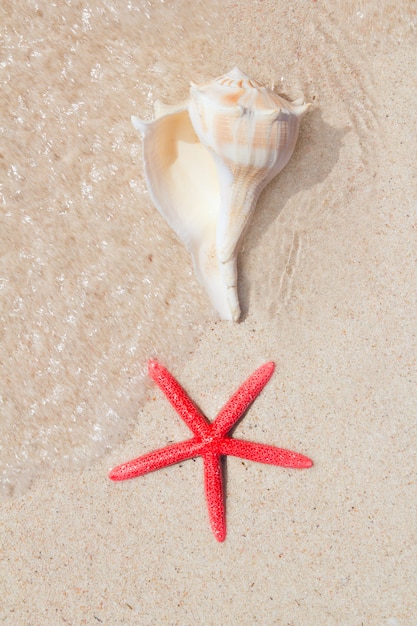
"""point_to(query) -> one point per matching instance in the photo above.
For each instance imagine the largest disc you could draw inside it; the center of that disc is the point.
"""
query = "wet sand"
(327, 288)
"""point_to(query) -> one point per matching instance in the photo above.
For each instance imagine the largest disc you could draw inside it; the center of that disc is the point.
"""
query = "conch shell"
(206, 162)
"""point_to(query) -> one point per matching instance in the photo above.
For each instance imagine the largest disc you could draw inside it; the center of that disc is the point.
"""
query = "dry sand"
(328, 291)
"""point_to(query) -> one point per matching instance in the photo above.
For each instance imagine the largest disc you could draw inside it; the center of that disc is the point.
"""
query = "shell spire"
(206, 162)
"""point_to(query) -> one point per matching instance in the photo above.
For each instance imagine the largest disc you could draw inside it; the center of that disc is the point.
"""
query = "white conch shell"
(206, 162)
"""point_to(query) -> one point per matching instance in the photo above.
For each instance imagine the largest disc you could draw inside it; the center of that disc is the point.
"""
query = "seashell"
(207, 160)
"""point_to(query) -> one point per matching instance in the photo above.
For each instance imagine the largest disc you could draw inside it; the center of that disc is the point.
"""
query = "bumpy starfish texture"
(210, 441)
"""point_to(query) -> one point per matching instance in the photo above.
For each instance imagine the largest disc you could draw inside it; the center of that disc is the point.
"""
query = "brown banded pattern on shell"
(245, 122)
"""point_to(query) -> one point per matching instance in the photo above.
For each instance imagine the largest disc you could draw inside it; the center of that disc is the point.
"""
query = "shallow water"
(92, 280)
(86, 295)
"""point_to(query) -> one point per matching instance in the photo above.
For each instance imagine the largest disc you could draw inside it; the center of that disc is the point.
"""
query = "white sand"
(328, 291)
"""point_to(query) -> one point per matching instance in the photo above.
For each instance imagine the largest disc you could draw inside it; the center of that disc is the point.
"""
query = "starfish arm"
(263, 453)
(157, 459)
(241, 399)
(213, 482)
(179, 399)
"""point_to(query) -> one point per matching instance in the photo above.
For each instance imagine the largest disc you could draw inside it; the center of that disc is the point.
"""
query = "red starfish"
(210, 440)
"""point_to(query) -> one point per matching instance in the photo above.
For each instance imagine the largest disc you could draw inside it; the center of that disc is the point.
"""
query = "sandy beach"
(328, 291)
